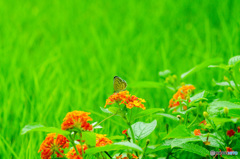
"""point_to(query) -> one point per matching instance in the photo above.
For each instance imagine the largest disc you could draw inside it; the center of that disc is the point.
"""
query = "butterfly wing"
(119, 84)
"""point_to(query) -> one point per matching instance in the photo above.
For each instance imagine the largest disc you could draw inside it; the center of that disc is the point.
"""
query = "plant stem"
(193, 121)
(235, 82)
(74, 146)
(106, 119)
(80, 134)
(108, 154)
(147, 142)
(60, 153)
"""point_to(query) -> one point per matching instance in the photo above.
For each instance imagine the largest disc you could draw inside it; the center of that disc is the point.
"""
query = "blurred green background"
(59, 56)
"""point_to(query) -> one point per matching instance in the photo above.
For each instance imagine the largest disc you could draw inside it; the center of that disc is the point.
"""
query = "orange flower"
(127, 99)
(182, 93)
(238, 129)
(197, 132)
(230, 133)
(203, 122)
(77, 119)
(124, 132)
(51, 144)
(133, 157)
(72, 154)
(102, 140)
(229, 149)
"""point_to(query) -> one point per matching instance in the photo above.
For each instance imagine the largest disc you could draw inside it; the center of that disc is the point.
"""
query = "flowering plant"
(195, 123)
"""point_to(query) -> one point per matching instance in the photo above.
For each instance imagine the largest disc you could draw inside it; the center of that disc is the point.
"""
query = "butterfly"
(119, 84)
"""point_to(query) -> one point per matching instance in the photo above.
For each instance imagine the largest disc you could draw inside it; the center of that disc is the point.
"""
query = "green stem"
(60, 153)
(74, 146)
(80, 134)
(145, 149)
(193, 121)
(235, 82)
(106, 119)
(108, 154)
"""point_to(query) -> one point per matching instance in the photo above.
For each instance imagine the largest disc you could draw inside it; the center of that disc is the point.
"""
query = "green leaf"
(142, 130)
(190, 147)
(148, 112)
(225, 83)
(234, 60)
(200, 66)
(222, 66)
(158, 148)
(217, 107)
(214, 142)
(146, 84)
(39, 127)
(199, 96)
(164, 73)
(105, 110)
(114, 147)
(89, 137)
(218, 121)
(114, 110)
(179, 132)
(117, 137)
(169, 116)
(177, 142)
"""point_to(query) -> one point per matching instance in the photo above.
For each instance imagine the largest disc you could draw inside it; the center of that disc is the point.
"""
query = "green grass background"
(59, 56)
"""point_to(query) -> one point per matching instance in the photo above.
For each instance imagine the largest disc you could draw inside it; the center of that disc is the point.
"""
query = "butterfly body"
(119, 84)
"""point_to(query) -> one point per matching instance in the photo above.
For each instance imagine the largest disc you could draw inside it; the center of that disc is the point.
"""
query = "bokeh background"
(58, 56)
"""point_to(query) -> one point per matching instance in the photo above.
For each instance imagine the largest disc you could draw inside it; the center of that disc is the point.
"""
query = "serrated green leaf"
(200, 96)
(218, 121)
(148, 112)
(214, 142)
(217, 106)
(199, 150)
(177, 142)
(89, 137)
(158, 148)
(142, 130)
(234, 60)
(41, 128)
(179, 132)
(169, 116)
(114, 147)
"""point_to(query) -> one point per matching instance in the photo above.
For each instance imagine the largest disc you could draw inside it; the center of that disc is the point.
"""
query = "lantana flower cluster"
(127, 99)
(182, 93)
(55, 144)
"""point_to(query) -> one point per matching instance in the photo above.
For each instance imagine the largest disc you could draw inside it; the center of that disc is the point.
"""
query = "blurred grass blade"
(146, 84)
(200, 66)
(148, 112)
(9, 147)
(39, 127)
